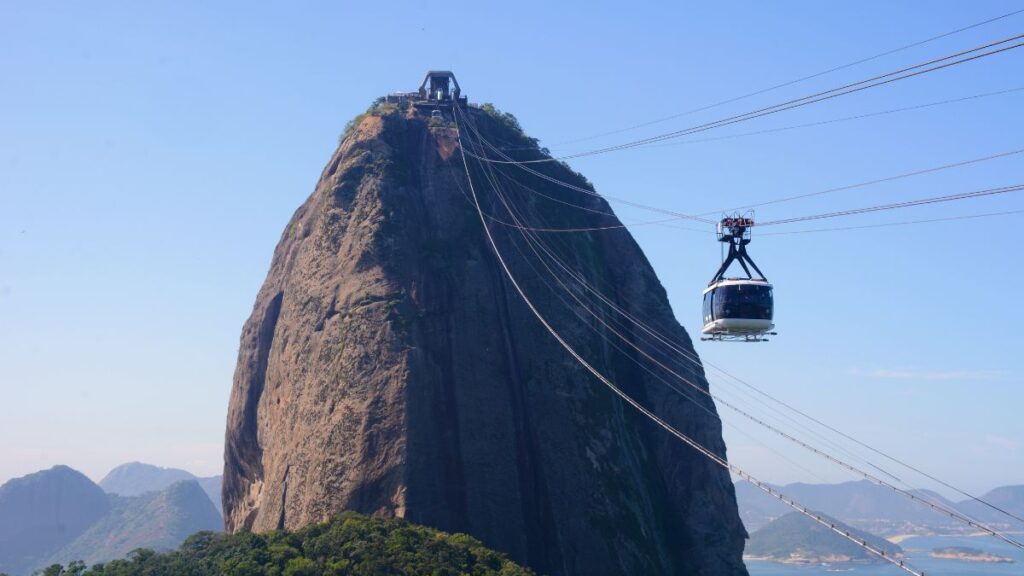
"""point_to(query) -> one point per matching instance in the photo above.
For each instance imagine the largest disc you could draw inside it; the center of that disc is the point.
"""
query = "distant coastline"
(811, 560)
(918, 554)
(965, 554)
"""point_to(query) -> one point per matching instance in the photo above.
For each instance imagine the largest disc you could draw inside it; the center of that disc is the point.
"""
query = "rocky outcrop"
(389, 368)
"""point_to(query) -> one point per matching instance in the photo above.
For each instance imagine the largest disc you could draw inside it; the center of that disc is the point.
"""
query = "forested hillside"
(349, 545)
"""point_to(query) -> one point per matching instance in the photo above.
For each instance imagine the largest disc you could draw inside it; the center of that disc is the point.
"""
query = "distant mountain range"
(43, 512)
(157, 520)
(1009, 498)
(59, 515)
(797, 539)
(136, 478)
(876, 509)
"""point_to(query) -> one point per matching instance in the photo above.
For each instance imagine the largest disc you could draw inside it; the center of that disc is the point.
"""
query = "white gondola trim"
(737, 282)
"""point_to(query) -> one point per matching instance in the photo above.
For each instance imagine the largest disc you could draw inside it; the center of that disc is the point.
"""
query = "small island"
(797, 539)
(966, 554)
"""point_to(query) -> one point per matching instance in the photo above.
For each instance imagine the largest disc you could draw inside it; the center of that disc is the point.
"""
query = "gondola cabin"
(738, 307)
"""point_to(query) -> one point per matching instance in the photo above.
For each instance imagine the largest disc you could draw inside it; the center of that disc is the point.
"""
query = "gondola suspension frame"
(720, 324)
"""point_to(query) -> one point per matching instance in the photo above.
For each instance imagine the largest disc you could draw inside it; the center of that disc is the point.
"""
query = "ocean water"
(916, 549)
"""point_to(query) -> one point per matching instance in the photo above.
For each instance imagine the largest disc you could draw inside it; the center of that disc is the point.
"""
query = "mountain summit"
(389, 367)
(42, 512)
(135, 478)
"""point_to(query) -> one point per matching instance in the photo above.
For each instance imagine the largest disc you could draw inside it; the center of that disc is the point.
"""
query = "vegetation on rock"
(379, 107)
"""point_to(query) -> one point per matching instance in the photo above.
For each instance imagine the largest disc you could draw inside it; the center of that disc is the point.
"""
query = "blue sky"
(151, 154)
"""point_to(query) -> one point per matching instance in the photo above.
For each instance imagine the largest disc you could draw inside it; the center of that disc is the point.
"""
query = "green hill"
(159, 520)
(795, 538)
(349, 545)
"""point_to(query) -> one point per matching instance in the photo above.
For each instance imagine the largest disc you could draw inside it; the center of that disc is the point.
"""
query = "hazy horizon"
(951, 495)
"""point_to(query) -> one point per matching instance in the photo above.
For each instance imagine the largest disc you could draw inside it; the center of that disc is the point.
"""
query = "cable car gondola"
(738, 309)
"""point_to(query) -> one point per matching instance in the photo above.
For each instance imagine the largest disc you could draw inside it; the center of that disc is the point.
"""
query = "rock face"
(389, 368)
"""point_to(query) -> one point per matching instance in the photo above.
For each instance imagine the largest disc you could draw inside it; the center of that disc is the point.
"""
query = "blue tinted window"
(743, 301)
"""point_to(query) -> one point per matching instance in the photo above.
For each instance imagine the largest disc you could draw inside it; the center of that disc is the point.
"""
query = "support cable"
(955, 59)
(821, 453)
(654, 417)
(565, 267)
(578, 277)
(576, 188)
(613, 344)
(888, 224)
(830, 121)
(670, 345)
(938, 508)
(897, 205)
(791, 82)
(871, 182)
(786, 199)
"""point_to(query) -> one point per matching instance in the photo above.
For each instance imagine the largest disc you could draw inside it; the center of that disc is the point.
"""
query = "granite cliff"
(389, 368)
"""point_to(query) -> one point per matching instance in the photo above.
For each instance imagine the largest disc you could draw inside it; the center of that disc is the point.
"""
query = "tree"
(51, 570)
(301, 567)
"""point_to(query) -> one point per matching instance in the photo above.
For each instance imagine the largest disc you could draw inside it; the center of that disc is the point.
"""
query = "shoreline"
(900, 538)
(843, 561)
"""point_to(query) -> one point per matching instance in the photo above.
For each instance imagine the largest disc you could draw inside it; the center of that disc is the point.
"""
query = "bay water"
(916, 549)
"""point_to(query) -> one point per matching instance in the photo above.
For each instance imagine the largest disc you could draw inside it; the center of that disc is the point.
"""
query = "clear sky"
(151, 154)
